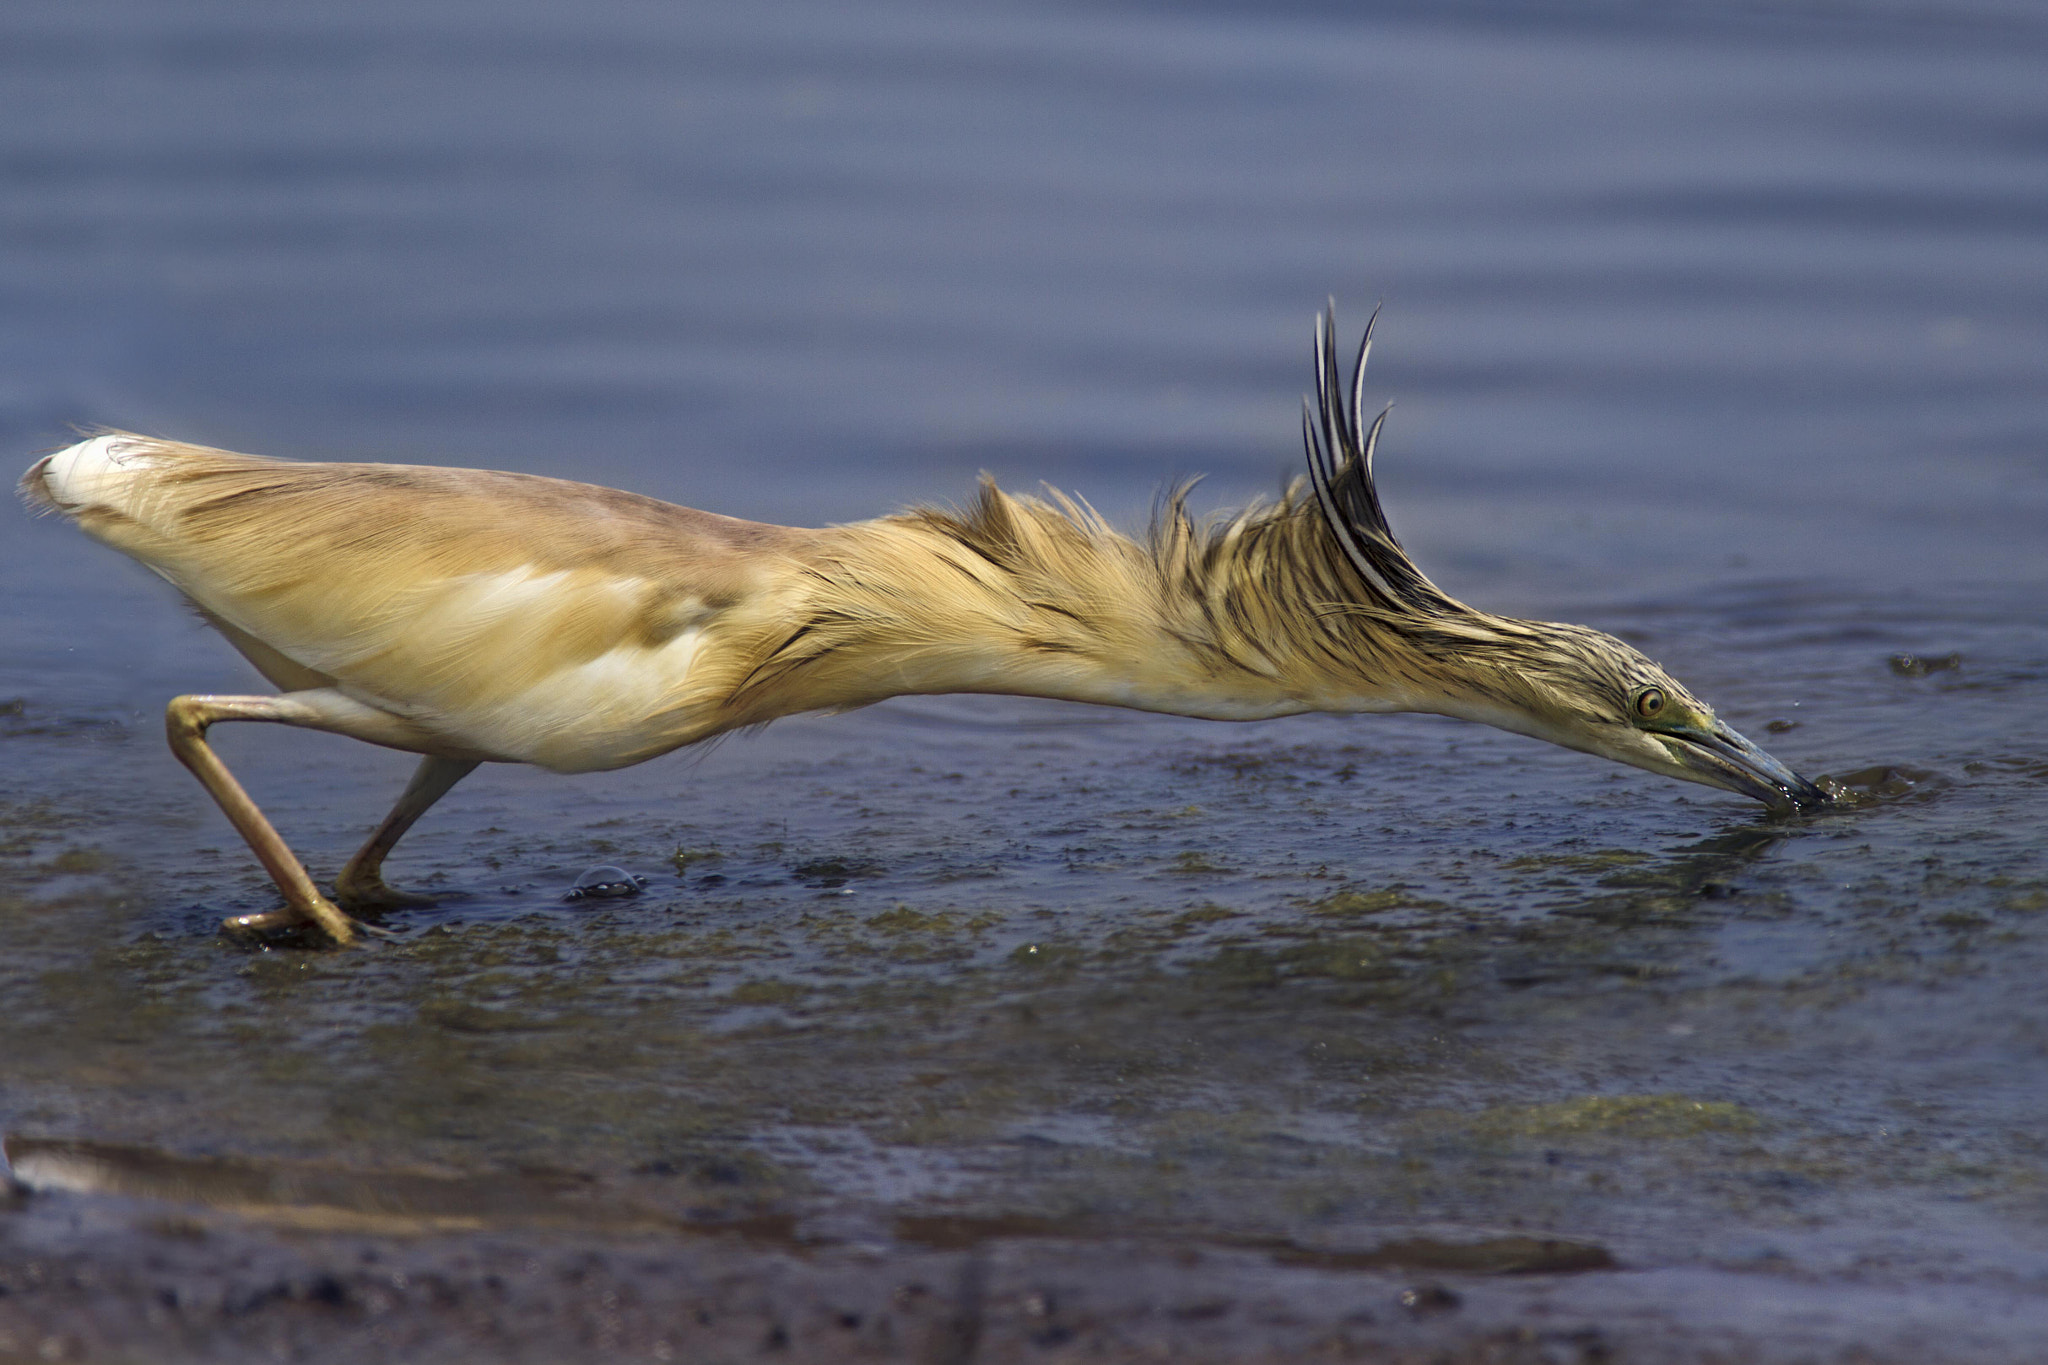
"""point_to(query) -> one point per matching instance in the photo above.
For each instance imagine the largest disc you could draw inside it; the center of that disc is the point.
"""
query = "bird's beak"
(1723, 758)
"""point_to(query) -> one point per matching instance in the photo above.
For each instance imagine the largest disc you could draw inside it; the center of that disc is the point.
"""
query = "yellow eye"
(1649, 702)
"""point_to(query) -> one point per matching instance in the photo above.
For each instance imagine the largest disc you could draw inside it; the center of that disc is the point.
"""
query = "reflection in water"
(321, 1198)
(311, 1198)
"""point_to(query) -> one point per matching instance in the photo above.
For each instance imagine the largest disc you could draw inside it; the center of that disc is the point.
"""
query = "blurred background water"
(1720, 326)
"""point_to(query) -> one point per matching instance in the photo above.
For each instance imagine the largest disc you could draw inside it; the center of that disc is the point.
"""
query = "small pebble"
(1430, 1298)
(606, 882)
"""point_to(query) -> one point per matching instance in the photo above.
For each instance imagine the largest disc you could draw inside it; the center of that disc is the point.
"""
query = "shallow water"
(1721, 333)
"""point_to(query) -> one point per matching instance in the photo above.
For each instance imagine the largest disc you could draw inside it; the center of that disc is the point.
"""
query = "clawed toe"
(265, 926)
(275, 929)
(286, 927)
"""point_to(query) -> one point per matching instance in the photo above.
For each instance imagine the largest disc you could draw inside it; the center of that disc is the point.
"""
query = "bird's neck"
(1021, 597)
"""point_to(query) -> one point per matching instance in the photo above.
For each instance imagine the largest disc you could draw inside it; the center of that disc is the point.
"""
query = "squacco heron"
(471, 617)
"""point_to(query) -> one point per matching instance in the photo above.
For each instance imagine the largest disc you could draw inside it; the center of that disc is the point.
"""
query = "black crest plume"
(1340, 449)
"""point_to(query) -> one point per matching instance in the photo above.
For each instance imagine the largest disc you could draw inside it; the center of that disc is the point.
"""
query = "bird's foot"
(371, 894)
(290, 927)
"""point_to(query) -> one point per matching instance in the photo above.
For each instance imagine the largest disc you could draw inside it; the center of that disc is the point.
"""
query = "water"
(1719, 330)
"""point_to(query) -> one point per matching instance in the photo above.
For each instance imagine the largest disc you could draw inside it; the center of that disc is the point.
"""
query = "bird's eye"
(1649, 702)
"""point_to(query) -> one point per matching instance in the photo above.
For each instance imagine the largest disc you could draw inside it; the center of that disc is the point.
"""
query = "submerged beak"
(1725, 759)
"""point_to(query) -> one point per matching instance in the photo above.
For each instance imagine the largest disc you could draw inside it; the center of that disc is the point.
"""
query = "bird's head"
(1586, 690)
(1567, 684)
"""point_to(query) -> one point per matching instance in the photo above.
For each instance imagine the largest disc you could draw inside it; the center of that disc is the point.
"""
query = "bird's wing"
(536, 609)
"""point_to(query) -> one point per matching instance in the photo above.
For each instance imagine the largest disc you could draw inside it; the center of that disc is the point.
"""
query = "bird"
(472, 616)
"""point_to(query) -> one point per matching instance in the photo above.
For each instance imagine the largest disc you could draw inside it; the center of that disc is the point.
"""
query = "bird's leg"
(361, 883)
(186, 721)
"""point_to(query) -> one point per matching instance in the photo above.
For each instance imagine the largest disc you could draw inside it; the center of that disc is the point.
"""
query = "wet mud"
(1440, 1039)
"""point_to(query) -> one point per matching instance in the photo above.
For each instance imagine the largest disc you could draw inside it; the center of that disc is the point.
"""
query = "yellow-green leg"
(186, 721)
(361, 883)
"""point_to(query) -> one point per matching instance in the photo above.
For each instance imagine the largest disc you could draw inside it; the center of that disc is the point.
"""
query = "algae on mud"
(1637, 1041)
(942, 973)
(1277, 1051)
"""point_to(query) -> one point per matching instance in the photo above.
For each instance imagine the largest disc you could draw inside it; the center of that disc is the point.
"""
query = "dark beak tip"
(1794, 795)
(1811, 797)
(1798, 802)
(1783, 791)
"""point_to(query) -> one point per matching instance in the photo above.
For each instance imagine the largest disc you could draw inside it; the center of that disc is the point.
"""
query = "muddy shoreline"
(123, 1278)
